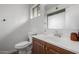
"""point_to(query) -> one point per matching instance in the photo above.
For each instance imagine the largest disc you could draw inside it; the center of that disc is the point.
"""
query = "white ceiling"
(48, 6)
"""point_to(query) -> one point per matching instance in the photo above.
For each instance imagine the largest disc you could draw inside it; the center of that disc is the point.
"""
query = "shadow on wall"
(18, 35)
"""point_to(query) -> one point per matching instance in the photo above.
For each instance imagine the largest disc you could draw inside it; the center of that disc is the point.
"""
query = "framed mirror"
(56, 20)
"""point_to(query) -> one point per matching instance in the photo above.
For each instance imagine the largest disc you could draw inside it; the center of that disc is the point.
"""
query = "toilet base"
(26, 50)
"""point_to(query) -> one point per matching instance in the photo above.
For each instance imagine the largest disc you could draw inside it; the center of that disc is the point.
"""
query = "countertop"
(62, 42)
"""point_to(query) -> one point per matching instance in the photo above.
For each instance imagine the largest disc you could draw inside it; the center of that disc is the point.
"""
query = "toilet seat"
(22, 45)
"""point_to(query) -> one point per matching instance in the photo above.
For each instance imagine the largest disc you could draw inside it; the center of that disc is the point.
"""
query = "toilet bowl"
(24, 46)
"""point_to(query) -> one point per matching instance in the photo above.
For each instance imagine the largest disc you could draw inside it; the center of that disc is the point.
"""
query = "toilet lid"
(22, 44)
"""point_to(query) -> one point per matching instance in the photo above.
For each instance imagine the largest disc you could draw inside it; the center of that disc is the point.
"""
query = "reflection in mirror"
(56, 20)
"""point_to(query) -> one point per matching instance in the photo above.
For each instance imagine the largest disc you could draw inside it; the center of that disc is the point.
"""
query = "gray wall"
(72, 17)
(37, 23)
(16, 26)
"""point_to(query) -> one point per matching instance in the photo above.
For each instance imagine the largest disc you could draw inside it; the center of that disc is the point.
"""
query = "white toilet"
(25, 46)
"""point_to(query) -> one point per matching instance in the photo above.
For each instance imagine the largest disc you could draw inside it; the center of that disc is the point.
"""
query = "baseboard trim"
(9, 52)
(4, 52)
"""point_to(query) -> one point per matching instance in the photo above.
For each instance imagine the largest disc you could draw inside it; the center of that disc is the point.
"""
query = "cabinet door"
(34, 47)
(50, 49)
(38, 47)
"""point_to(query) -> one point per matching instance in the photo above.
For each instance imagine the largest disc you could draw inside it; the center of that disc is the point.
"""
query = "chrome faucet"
(57, 34)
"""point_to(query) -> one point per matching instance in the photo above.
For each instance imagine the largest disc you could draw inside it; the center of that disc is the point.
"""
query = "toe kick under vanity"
(47, 44)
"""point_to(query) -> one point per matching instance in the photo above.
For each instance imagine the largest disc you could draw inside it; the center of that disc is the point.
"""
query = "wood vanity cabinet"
(38, 46)
(42, 47)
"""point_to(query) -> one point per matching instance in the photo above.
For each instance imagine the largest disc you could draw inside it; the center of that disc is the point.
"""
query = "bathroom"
(21, 22)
